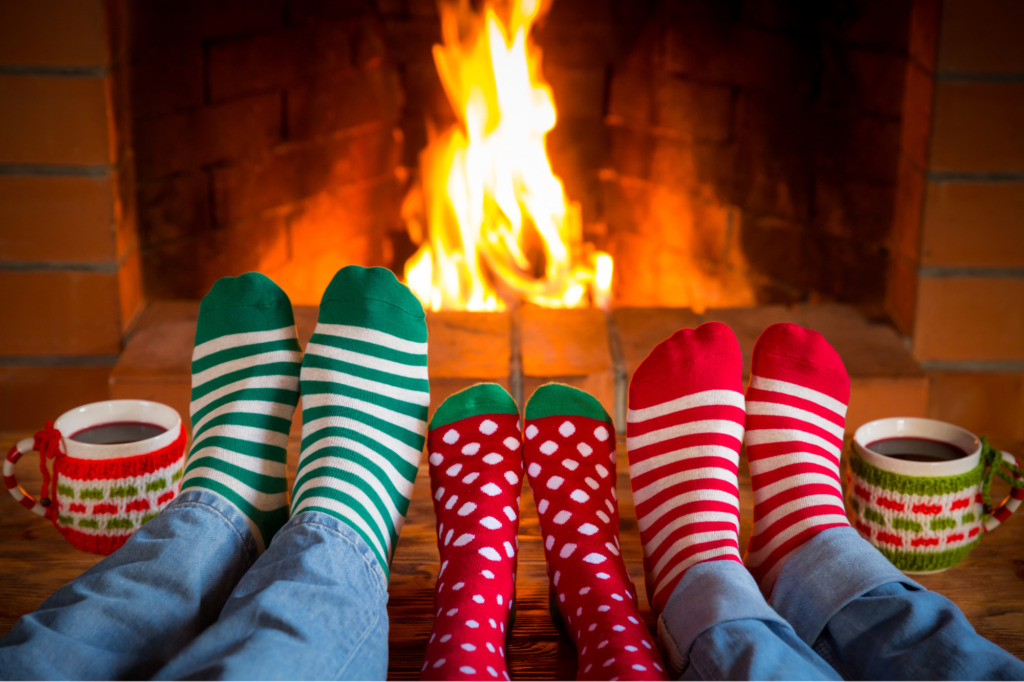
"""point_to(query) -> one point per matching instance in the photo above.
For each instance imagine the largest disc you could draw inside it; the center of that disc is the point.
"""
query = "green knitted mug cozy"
(919, 523)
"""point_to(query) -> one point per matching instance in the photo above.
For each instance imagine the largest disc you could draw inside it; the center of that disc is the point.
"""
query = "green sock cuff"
(560, 400)
(248, 303)
(472, 402)
(362, 297)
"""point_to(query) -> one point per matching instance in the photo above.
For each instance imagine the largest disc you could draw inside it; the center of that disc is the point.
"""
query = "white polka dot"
(472, 624)
(567, 550)
(542, 506)
(603, 644)
(451, 502)
(490, 647)
(595, 558)
(511, 443)
(490, 574)
(531, 431)
(588, 529)
(604, 517)
(570, 464)
(584, 590)
(601, 433)
(470, 477)
(561, 598)
(439, 494)
(611, 507)
(603, 608)
(584, 449)
(470, 448)
(454, 469)
(492, 672)
(511, 477)
(509, 512)
(567, 429)
(616, 596)
(463, 539)
(533, 469)
(493, 458)
(579, 496)
(549, 542)
(549, 447)
(492, 623)
(436, 458)
(448, 538)
(445, 638)
(602, 575)
(647, 645)
(599, 468)
(619, 628)
(633, 620)
(637, 666)
(458, 586)
(490, 489)
(451, 612)
(588, 668)
(593, 626)
(594, 485)
(612, 548)
(439, 662)
(479, 599)
(608, 662)
(499, 600)
(509, 549)
(558, 576)
(451, 436)
(555, 482)
(561, 517)
(488, 427)
(489, 553)
(656, 666)
(630, 648)
(467, 670)
(467, 509)
(490, 523)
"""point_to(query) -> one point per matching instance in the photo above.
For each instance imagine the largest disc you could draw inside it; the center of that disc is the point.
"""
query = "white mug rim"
(903, 427)
(125, 409)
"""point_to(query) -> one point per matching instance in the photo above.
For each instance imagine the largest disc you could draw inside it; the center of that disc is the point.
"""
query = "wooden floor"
(35, 560)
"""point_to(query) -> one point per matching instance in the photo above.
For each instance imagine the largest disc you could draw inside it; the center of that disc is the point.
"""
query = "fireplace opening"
(723, 153)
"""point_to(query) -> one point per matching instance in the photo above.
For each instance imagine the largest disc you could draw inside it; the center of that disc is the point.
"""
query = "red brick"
(158, 22)
(975, 128)
(981, 36)
(336, 103)
(641, 329)
(297, 172)
(174, 207)
(56, 219)
(968, 398)
(54, 120)
(53, 33)
(60, 313)
(861, 209)
(200, 137)
(923, 47)
(867, 81)
(166, 78)
(32, 395)
(858, 146)
(975, 318)
(973, 224)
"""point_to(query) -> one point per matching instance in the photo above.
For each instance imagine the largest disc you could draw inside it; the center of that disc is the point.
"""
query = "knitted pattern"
(919, 524)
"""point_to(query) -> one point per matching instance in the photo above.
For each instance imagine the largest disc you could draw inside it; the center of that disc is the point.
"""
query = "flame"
(491, 218)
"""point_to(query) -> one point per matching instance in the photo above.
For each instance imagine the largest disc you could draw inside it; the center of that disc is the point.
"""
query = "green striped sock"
(364, 406)
(245, 386)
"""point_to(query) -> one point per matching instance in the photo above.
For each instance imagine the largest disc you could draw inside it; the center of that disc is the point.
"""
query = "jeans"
(839, 610)
(189, 597)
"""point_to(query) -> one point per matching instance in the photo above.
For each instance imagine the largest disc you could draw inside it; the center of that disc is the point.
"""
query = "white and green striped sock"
(364, 406)
(245, 386)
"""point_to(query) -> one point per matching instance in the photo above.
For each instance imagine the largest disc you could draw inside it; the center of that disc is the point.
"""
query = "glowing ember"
(490, 217)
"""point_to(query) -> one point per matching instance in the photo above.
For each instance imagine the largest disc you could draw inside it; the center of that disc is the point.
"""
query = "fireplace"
(726, 154)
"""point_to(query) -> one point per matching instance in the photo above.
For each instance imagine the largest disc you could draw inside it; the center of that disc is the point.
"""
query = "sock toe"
(560, 399)
(798, 355)
(474, 401)
(248, 303)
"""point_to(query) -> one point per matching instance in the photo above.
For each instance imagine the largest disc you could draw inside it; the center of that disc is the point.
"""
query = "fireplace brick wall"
(70, 279)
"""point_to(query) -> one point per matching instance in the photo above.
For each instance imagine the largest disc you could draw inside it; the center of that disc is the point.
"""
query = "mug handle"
(17, 492)
(1012, 501)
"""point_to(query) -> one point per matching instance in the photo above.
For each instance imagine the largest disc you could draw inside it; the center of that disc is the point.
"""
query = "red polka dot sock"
(796, 411)
(570, 458)
(684, 428)
(476, 478)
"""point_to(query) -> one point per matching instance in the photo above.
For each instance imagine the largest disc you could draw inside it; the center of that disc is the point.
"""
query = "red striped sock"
(476, 472)
(684, 428)
(570, 458)
(796, 411)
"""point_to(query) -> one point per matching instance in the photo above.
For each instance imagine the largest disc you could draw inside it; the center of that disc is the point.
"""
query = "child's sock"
(684, 428)
(476, 477)
(570, 458)
(364, 406)
(245, 385)
(796, 408)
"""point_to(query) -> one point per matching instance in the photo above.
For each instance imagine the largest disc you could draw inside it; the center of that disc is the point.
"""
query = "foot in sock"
(364, 406)
(570, 459)
(245, 386)
(796, 408)
(684, 428)
(476, 478)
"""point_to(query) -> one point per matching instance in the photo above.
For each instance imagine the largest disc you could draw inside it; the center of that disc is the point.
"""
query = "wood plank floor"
(35, 560)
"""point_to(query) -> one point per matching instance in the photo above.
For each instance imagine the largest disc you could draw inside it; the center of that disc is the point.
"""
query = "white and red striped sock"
(569, 452)
(796, 411)
(476, 478)
(684, 428)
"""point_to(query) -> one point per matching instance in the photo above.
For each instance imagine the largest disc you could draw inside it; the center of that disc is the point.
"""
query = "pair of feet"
(478, 455)
(364, 389)
(687, 421)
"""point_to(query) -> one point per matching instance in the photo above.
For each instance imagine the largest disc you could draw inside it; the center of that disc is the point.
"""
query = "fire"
(491, 218)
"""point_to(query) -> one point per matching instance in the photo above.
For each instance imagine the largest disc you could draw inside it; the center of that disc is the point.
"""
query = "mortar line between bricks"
(515, 358)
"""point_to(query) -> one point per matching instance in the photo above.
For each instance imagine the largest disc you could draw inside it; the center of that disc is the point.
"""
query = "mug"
(116, 464)
(918, 491)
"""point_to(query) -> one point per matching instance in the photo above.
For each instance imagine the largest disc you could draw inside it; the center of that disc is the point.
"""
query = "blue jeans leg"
(717, 626)
(869, 621)
(134, 610)
(314, 606)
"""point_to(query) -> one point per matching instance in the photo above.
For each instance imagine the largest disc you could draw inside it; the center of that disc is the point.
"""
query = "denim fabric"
(838, 608)
(188, 585)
